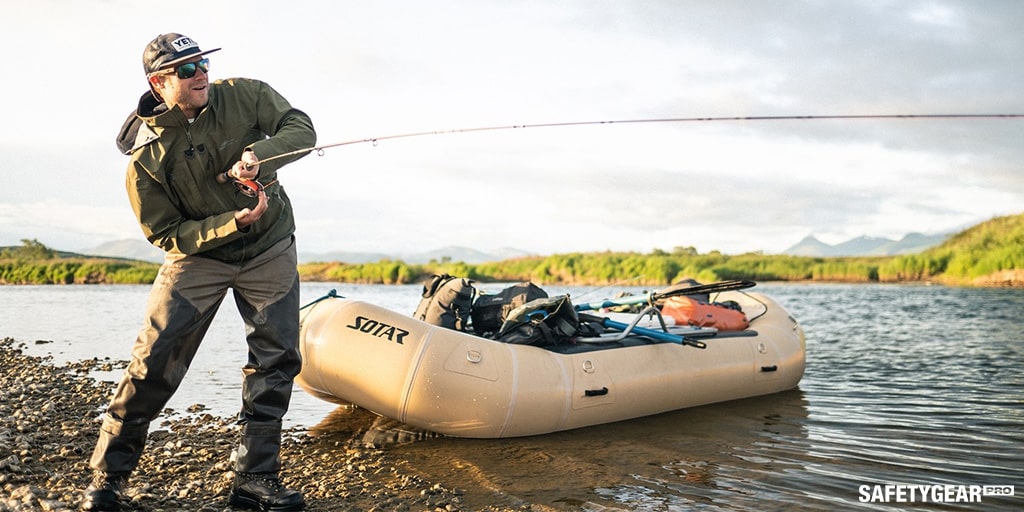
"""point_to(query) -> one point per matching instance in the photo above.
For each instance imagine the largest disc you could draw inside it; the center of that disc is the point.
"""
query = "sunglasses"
(188, 70)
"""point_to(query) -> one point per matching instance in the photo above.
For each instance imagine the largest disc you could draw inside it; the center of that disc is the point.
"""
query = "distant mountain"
(464, 254)
(343, 256)
(509, 253)
(867, 246)
(917, 242)
(138, 249)
(131, 248)
(809, 246)
(452, 253)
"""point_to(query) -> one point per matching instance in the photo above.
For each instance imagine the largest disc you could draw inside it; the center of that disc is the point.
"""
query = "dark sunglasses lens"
(187, 70)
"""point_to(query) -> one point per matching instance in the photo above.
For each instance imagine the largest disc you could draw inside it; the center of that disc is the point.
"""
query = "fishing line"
(374, 140)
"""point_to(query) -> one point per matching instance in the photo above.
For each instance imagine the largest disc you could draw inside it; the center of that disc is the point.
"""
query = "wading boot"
(264, 491)
(105, 492)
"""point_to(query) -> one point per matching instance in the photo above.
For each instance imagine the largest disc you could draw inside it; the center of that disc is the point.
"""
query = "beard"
(188, 98)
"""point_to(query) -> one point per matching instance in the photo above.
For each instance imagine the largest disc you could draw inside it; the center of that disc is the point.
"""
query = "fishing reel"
(251, 188)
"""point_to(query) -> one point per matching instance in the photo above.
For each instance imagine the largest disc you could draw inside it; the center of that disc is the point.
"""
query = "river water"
(906, 385)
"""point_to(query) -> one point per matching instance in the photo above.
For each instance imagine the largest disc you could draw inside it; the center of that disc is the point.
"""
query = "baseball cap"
(168, 50)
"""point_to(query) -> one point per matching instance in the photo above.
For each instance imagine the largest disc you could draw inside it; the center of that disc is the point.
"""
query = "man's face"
(190, 94)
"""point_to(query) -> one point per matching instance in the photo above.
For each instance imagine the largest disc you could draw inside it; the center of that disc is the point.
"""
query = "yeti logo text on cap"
(184, 43)
(169, 50)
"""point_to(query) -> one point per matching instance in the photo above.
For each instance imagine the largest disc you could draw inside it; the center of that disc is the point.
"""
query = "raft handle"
(596, 392)
(771, 368)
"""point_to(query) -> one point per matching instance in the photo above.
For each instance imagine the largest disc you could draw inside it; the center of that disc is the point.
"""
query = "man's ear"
(155, 81)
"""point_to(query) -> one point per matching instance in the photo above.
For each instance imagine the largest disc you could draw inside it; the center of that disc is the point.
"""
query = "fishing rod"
(249, 187)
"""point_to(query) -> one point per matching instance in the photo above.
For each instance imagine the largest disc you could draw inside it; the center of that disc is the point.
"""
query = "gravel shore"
(49, 419)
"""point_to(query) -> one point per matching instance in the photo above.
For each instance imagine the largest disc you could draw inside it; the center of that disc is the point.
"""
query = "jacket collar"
(138, 130)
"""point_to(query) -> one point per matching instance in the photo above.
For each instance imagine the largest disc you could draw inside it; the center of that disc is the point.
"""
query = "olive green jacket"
(171, 179)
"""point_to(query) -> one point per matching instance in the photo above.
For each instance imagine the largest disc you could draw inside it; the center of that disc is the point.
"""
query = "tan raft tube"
(461, 385)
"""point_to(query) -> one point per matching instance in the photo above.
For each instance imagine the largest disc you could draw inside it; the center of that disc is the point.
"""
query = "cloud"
(64, 226)
(364, 70)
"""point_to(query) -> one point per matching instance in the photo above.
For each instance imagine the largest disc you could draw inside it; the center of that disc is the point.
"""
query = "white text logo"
(184, 43)
(899, 493)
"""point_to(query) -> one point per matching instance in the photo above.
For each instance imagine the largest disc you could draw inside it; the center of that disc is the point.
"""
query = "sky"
(364, 70)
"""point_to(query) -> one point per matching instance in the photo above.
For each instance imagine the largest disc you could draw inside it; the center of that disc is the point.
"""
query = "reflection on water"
(904, 385)
(654, 463)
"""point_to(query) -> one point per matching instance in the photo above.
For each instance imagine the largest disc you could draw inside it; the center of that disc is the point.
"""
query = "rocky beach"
(49, 419)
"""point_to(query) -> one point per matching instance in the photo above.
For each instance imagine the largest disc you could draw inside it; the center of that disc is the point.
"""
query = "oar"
(642, 331)
(671, 291)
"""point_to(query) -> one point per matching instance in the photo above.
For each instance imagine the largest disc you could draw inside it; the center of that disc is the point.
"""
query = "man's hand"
(247, 216)
(247, 168)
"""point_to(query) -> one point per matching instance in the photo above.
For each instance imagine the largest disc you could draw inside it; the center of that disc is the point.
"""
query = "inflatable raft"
(458, 384)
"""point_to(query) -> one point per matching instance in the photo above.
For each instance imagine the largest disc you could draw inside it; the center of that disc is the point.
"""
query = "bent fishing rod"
(250, 187)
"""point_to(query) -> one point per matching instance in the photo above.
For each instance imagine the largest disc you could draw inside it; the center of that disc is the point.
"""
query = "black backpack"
(447, 301)
(489, 311)
(547, 321)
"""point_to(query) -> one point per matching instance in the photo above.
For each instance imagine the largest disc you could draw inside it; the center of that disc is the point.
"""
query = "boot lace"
(270, 480)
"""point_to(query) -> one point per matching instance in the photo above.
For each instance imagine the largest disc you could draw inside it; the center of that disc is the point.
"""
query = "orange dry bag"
(687, 311)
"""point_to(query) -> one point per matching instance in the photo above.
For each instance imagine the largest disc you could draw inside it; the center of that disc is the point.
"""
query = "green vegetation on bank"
(655, 269)
(34, 263)
(989, 254)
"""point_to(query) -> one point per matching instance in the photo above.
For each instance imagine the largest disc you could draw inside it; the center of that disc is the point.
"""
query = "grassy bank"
(989, 254)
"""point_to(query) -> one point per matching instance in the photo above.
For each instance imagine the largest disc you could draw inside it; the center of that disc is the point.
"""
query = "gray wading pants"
(185, 296)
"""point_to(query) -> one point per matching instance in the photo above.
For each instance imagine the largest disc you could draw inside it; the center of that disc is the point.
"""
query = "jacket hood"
(129, 138)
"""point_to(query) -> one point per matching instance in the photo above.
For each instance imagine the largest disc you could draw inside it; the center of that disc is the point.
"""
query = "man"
(193, 145)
